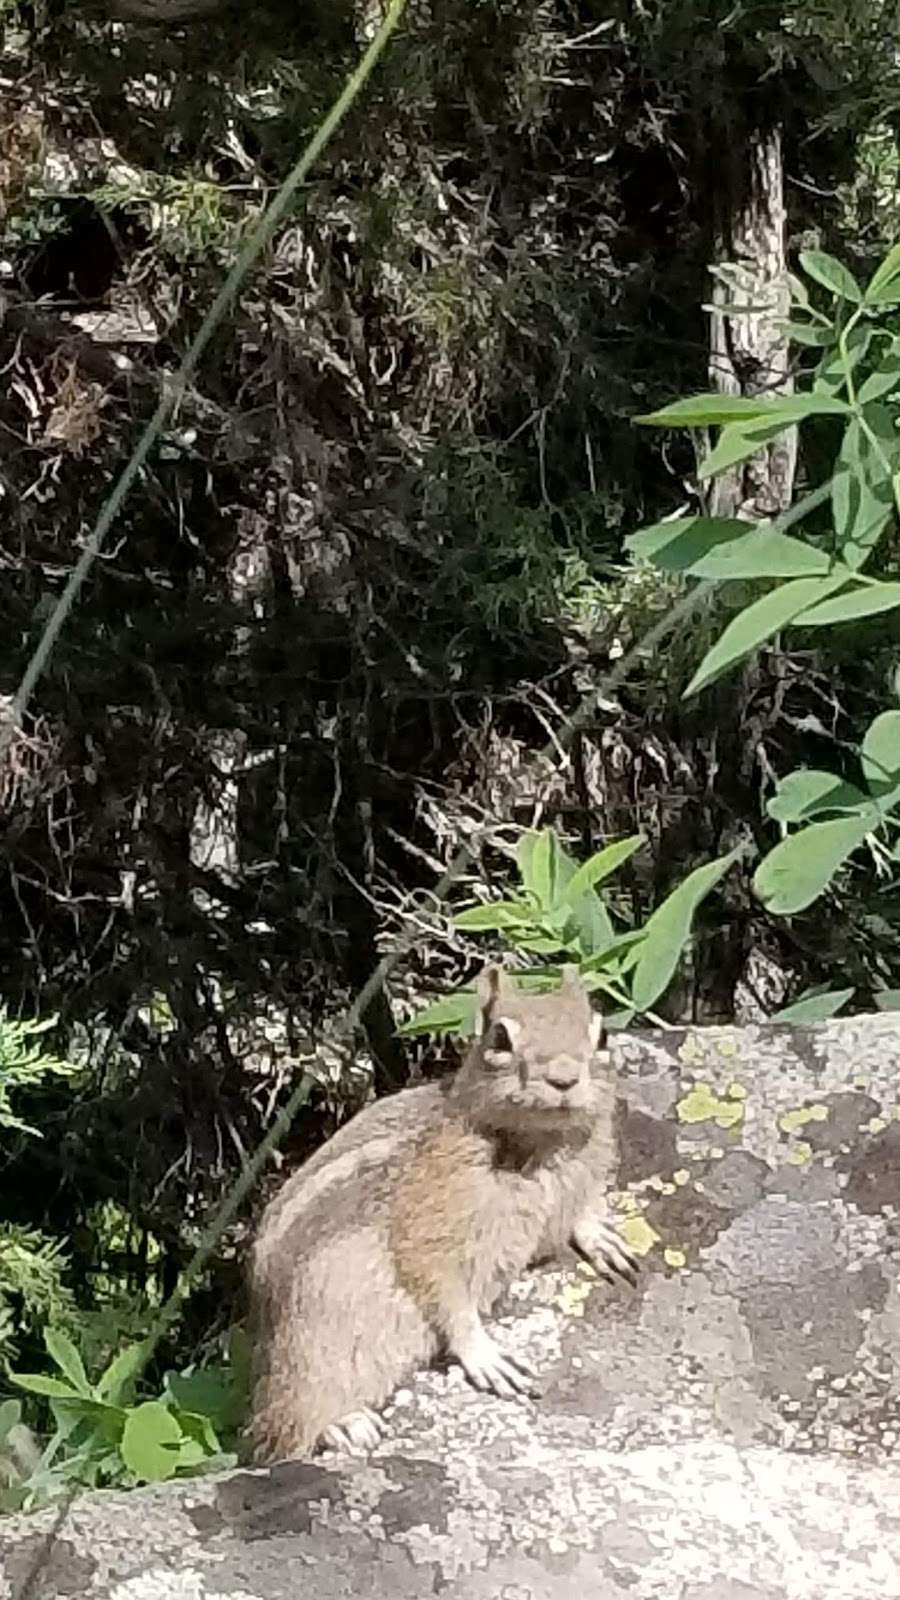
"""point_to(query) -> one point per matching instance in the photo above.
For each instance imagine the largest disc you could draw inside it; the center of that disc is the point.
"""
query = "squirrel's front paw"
(488, 1368)
(603, 1248)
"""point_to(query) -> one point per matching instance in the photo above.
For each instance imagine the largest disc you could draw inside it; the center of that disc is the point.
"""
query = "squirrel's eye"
(498, 1040)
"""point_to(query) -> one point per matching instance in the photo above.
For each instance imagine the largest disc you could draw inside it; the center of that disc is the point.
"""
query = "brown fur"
(388, 1245)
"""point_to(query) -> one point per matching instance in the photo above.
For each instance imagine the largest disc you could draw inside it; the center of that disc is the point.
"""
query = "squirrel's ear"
(572, 986)
(493, 987)
(596, 1030)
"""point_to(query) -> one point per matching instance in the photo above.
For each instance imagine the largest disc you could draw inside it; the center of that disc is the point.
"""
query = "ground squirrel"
(389, 1244)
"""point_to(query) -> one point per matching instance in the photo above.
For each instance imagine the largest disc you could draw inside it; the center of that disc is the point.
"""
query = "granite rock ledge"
(729, 1431)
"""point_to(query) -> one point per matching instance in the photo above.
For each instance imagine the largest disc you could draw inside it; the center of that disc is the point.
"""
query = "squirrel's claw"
(488, 1368)
(604, 1249)
(357, 1432)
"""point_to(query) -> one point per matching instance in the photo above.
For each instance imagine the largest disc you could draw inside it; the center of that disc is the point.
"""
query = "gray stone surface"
(727, 1432)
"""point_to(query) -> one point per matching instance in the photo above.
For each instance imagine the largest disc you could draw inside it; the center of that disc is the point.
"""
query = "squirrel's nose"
(562, 1075)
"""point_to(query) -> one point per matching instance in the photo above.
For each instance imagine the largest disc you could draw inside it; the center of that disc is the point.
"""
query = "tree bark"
(749, 352)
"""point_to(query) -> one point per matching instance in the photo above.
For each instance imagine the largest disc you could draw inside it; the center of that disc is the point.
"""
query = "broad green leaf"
(117, 1380)
(590, 922)
(705, 410)
(199, 1437)
(881, 756)
(816, 1006)
(796, 872)
(37, 1383)
(888, 1000)
(886, 378)
(758, 622)
(889, 295)
(601, 865)
(861, 494)
(545, 867)
(492, 915)
(810, 793)
(539, 944)
(622, 946)
(726, 547)
(849, 607)
(150, 1442)
(668, 929)
(831, 274)
(207, 1394)
(61, 1350)
(453, 1014)
(808, 333)
(887, 272)
(737, 442)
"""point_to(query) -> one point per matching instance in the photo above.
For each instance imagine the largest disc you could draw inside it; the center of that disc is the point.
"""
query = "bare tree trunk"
(749, 355)
(749, 352)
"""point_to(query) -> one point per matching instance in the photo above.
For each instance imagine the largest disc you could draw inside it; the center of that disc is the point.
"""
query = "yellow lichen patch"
(571, 1298)
(668, 1188)
(700, 1104)
(727, 1047)
(800, 1154)
(876, 1125)
(860, 1083)
(793, 1121)
(621, 1200)
(689, 1051)
(638, 1235)
(699, 1188)
(681, 1177)
(736, 1091)
(674, 1258)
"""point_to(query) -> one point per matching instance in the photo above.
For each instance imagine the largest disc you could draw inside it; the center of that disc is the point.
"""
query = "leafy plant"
(809, 583)
(559, 912)
(24, 1063)
(104, 1435)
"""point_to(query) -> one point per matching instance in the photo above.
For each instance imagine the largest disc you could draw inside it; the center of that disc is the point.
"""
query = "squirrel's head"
(530, 1063)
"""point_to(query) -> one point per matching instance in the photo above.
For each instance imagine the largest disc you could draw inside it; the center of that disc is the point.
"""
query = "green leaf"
(545, 866)
(706, 410)
(150, 1442)
(492, 915)
(455, 1013)
(117, 1380)
(63, 1352)
(590, 922)
(831, 274)
(816, 1006)
(888, 1000)
(796, 872)
(849, 607)
(726, 547)
(887, 273)
(881, 756)
(758, 622)
(889, 295)
(37, 1383)
(808, 333)
(887, 376)
(207, 1394)
(668, 929)
(10, 1417)
(831, 374)
(810, 793)
(736, 443)
(624, 945)
(861, 494)
(601, 865)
